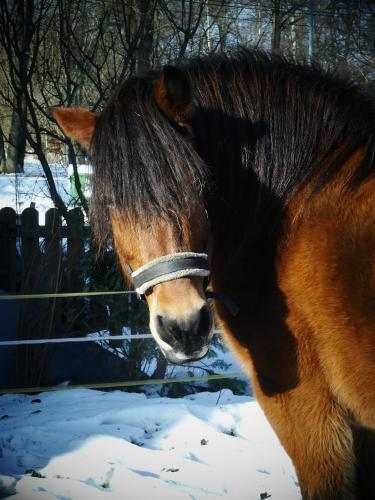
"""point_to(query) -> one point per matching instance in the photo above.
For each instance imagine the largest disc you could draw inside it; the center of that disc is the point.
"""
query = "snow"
(82, 169)
(83, 444)
(19, 190)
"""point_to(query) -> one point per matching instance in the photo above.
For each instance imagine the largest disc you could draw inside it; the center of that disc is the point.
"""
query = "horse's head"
(148, 184)
(170, 254)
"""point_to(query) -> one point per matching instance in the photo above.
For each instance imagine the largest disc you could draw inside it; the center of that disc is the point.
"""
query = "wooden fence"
(53, 259)
(49, 258)
(40, 258)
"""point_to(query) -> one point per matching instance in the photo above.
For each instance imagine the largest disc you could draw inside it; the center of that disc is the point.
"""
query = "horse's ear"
(173, 95)
(76, 123)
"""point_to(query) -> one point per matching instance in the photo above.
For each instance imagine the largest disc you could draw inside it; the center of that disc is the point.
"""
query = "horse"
(258, 172)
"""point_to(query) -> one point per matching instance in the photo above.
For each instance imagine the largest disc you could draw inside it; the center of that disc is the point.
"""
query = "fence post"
(51, 282)
(53, 251)
(28, 320)
(8, 249)
(8, 277)
(30, 251)
(74, 276)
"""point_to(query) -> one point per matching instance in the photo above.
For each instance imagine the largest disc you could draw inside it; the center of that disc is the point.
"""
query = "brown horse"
(268, 166)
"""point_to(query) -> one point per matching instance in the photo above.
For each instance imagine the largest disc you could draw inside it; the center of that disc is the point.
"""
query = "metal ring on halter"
(170, 267)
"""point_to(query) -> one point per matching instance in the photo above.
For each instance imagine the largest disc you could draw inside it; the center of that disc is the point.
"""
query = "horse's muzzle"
(186, 338)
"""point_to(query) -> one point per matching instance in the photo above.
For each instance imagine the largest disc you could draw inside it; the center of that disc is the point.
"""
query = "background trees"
(73, 52)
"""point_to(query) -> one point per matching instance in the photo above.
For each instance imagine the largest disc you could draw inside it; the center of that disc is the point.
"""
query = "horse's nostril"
(169, 328)
(204, 321)
(159, 320)
(187, 331)
(177, 329)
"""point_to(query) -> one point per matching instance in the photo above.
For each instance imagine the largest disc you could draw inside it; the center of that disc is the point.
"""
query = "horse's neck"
(244, 257)
(255, 270)
(247, 226)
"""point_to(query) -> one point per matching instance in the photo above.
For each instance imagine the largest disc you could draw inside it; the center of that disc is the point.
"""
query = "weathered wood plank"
(8, 250)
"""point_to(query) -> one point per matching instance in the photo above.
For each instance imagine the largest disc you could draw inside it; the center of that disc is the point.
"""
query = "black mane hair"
(143, 166)
(263, 126)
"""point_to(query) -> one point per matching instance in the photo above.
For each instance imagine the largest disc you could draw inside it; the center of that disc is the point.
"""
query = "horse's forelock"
(143, 163)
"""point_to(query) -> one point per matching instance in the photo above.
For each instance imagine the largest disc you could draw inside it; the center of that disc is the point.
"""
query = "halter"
(170, 267)
(174, 266)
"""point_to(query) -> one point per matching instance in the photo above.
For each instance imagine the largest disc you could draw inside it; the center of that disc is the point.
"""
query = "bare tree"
(73, 53)
(21, 58)
(2, 151)
(19, 43)
(185, 18)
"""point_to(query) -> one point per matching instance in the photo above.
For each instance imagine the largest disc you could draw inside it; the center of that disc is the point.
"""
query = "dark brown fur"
(314, 377)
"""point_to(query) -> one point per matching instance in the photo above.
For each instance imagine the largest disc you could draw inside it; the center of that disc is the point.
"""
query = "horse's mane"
(281, 124)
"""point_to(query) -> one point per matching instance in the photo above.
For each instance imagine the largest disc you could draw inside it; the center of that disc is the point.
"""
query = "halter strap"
(170, 267)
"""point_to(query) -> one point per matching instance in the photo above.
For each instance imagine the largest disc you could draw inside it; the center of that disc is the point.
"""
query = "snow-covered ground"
(18, 191)
(82, 444)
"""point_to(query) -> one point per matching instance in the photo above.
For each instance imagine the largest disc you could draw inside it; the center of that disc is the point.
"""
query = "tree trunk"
(223, 25)
(17, 143)
(348, 23)
(145, 45)
(17, 137)
(2, 152)
(311, 31)
(276, 27)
